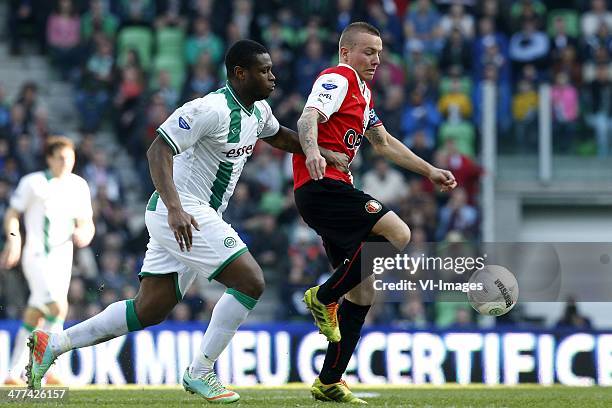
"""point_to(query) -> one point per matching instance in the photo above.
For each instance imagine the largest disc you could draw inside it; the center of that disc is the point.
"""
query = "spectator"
(385, 183)
(503, 96)
(564, 97)
(560, 39)
(390, 108)
(27, 157)
(244, 17)
(601, 40)
(5, 112)
(457, 19)
(572, 318)
(422, 24)
(310, 65)
(568, 64)
(97, 22)
(529, 46)
(94, 94)
(599, 117)
(28, 100)
(457, 215)
(466, 171)
(167, 92)
(456, 52)
(523, 10)
(420, 115)
(128, 104)
(525, 115)
(27, 18)
(63, 37)
(269, 246)
(202, 79)
(136, 12)
(99, 175)
(389, 25)
(203, 40)
(171, 13)
(592, 19)
(455, 102)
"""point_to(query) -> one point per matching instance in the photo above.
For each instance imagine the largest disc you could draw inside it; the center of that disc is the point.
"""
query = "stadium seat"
(138, 38)
(170, 41)
(571, 21)
(174, 66)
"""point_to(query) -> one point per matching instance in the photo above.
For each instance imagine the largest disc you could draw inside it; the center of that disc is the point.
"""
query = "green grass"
(525, 396)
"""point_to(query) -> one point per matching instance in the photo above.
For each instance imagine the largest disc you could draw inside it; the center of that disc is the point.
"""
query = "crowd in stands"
(132, 62)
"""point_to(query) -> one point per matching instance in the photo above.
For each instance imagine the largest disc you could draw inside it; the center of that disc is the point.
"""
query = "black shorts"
(342, 215)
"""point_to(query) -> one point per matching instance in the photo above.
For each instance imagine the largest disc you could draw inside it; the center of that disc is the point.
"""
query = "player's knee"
(403, 237)
(253, 284)
(151, 312)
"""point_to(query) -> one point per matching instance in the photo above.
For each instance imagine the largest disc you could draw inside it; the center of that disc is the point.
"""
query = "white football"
(497, 291)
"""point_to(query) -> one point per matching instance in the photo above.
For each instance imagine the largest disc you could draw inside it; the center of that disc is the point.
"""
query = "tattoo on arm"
(376, 136)
(307, 130)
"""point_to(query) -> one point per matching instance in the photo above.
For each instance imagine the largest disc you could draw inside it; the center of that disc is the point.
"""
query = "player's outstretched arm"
(160, 157)
(12, 249)
(288, 140)
(392, 149)
(308, 134)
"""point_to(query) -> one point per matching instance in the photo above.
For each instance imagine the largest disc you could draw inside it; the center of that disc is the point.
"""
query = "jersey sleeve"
(328, 93)
(20, 200)
(189, 123)
(270, 123)
(84, 209)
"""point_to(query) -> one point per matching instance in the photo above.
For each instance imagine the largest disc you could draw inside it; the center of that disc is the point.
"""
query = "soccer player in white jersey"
(56, 207)
(195, 163)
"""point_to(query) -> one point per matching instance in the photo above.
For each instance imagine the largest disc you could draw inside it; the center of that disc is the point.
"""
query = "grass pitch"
(524, 396)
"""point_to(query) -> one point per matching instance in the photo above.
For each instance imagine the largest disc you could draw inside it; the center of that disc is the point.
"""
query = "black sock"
(344, 278)
(351, 317)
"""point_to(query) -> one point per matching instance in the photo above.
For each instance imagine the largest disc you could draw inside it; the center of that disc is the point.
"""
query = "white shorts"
(214, 247)
(48, 276)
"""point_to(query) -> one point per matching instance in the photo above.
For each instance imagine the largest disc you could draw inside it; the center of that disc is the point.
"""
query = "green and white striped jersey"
(50, 206)
(212, 138)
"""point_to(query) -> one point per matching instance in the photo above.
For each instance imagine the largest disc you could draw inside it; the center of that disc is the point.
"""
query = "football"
(497, 290)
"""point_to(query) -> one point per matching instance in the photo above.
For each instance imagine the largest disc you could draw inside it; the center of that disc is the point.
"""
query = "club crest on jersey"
(229, 242)
(373, 206)
(329, 86)
(183, 123)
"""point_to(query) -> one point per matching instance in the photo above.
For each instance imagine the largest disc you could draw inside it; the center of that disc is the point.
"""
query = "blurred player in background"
(56, 207)
(338, 113)
(195, 163)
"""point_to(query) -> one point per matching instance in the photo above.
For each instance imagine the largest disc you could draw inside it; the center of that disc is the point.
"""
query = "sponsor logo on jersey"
(244, 150)
(329, 87)
(352, 139)
(183, 123)
(373, 206)
(324, 98)
(229, 242)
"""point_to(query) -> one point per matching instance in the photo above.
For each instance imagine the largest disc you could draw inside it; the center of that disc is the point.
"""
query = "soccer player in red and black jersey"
(338, 114)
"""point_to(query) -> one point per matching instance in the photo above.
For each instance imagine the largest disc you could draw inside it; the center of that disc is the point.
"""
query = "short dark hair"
(55, 143)
(242, 54)
(347, 37)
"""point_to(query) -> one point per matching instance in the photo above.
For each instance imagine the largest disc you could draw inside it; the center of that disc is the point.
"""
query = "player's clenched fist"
(180, 223)
(444, 179)
(315, 163)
